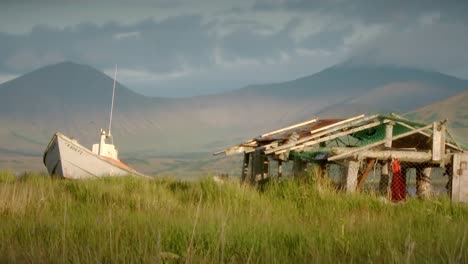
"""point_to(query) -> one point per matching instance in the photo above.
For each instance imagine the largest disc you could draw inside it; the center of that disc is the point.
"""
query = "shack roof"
(355, 134)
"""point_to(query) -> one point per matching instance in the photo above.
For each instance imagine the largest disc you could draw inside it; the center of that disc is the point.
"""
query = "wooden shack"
(357, 144)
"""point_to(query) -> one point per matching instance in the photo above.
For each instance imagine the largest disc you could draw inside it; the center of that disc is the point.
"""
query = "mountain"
(454, 109)
(75, 99)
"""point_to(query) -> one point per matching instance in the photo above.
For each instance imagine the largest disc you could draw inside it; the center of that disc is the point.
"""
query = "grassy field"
(128, 219)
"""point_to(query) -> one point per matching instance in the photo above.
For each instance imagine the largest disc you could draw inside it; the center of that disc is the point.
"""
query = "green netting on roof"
(316, 155)
(377, 133)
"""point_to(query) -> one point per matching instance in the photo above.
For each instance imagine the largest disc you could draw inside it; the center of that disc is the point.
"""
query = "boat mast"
(112, 105)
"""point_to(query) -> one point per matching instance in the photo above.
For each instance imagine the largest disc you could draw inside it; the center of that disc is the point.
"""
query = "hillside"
(455, 109)
(75, 99)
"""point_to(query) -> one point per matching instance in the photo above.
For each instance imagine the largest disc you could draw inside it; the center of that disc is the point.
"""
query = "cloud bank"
(186, 48)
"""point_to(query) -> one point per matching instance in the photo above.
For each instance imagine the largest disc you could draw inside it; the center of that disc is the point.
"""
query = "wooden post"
(384, 176)
(245, 167)
(280, 168)
(350, 180)
(423, 183)
(266, 167)
(252, 165)
(259, 166)
(438, 141)
(459, 183)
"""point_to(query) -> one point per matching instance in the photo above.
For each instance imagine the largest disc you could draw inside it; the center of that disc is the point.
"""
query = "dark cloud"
(166, 46)
(183, 43)
(159, 46)
(372, 11)
(326, 40)
(246, 44)
(436, 46)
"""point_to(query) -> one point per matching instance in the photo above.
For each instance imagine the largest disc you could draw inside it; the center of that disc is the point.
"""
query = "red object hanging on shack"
(398, 186)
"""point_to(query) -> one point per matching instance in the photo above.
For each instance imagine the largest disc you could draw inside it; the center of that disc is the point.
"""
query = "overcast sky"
(192, 47)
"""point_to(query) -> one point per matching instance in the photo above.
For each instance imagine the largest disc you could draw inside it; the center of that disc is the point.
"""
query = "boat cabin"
(105, 149)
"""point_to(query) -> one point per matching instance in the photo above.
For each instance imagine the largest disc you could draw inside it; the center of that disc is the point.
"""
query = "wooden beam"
(289, 128)
(314, 136)
(405, 156)
(351, 152)
(363, 177)
(337, 124)
(237, 148)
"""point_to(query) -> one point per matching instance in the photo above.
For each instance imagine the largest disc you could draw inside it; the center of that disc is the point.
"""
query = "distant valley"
(166, 135)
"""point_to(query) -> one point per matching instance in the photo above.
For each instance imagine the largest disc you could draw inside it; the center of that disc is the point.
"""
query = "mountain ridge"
(75, 99)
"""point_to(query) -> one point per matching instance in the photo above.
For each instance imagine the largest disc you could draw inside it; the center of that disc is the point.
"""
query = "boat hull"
(66, 158)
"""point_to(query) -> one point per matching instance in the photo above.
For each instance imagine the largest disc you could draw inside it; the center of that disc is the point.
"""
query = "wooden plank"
(235, 149)
(337, 124)
(351, 152)
(337, 135)
(289, 128)
(305, 139)
(218, 152)
(363, 177)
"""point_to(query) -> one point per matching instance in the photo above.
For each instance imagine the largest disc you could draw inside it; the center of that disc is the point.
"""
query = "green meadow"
(165, 220)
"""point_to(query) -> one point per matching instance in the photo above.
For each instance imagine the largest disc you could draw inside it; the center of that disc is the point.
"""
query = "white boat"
(65, 157)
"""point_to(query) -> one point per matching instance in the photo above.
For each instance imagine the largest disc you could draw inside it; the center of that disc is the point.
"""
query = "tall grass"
(166, 220)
